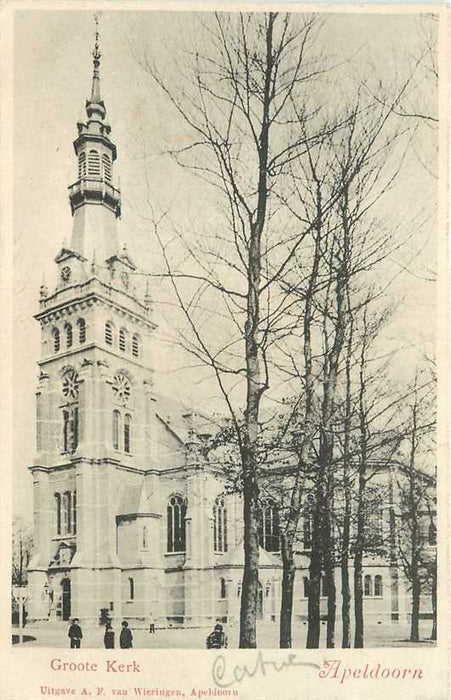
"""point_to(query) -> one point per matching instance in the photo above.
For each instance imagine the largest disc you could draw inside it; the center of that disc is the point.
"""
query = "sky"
(52, 75)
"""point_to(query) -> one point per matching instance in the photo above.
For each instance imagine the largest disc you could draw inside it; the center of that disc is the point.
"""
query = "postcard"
(224, 326)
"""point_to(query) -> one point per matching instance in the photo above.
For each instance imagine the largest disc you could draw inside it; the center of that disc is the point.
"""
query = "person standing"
(217, 639)
(75, 634)
(108, 638)
(151, 623)
(125, 637)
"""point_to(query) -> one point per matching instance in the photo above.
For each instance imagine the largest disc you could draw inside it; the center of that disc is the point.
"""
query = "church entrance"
(65, 598)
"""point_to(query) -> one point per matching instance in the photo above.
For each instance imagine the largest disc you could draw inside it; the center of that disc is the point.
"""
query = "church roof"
(235, 559)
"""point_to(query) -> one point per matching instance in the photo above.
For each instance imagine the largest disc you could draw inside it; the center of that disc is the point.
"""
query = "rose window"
(70, 384)
(121, 388)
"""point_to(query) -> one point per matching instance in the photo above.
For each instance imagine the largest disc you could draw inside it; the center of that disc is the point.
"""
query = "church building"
(129, 516)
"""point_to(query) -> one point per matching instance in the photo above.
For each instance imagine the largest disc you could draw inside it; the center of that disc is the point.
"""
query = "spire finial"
(95, 94)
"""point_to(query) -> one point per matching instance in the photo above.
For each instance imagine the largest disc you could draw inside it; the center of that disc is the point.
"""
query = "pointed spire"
(95, 93)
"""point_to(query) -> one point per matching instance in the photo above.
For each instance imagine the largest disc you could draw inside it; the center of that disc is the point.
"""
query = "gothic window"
(68, 332)
(116, 428)
(82, 164)
(135, 346)
(70, 411)
(81, 323)
(144, 537)
(223, 588)
(176, 514)
(367, 585)
(378, 585)
(58, 513)
(122, 340)
(56, 339)
(108, 333)
(220, 525)
(127, 433)
(269, 533)
(74, 512)
(131, 589)
(121, 388)
(67, 509)
(93, 163)
(106, 167)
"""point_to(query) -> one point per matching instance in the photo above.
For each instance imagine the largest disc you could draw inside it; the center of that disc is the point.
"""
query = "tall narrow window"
(305, 582)
(81, 323)
(176, 514)
(223, 588)
(74, 428)
(82, 164)
(66, 431)
(122, 340)
(127, 433)
(367, 585)
(220, 525)
(58, 513)
(108, 333)
(74, 512)
(67, 508)
(378, 585)
(93, 164)
(106, 167)
(144, 537)
(269, 532)
(68, 331)
(307, 531)
(56, 339)
(131, 589)
(135, 346)
(116, 429)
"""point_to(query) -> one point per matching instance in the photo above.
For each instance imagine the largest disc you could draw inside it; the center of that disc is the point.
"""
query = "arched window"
(81, 323)
(106, 167)
(68, 332)
(144, 537)
(223, 588)
(108, 333)
(74, 512)
(131, 589)
(67, 509)
(176, 514)
(56, 339)
(220, 525)
(82, 164)
(367, 585)
(128, 433)
(432, 535)
(116, 428)
(122, 340)
(93, 163)
(66, 431)
(269, 532)
(58, 513)
(378, 585)
(135, 346)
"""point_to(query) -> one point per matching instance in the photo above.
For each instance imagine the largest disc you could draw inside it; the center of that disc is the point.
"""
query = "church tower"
(94, 402)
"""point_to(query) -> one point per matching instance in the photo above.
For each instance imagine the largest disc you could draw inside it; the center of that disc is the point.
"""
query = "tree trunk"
(331, 609)
(358, 602)
(416, 592)
(434, 603)
(286, 607)
(314, 590)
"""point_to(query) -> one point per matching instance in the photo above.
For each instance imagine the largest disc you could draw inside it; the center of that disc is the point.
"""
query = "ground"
(54, 635)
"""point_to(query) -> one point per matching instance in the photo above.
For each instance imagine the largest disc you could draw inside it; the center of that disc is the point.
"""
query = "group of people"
(75, 635)
(217, 639)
